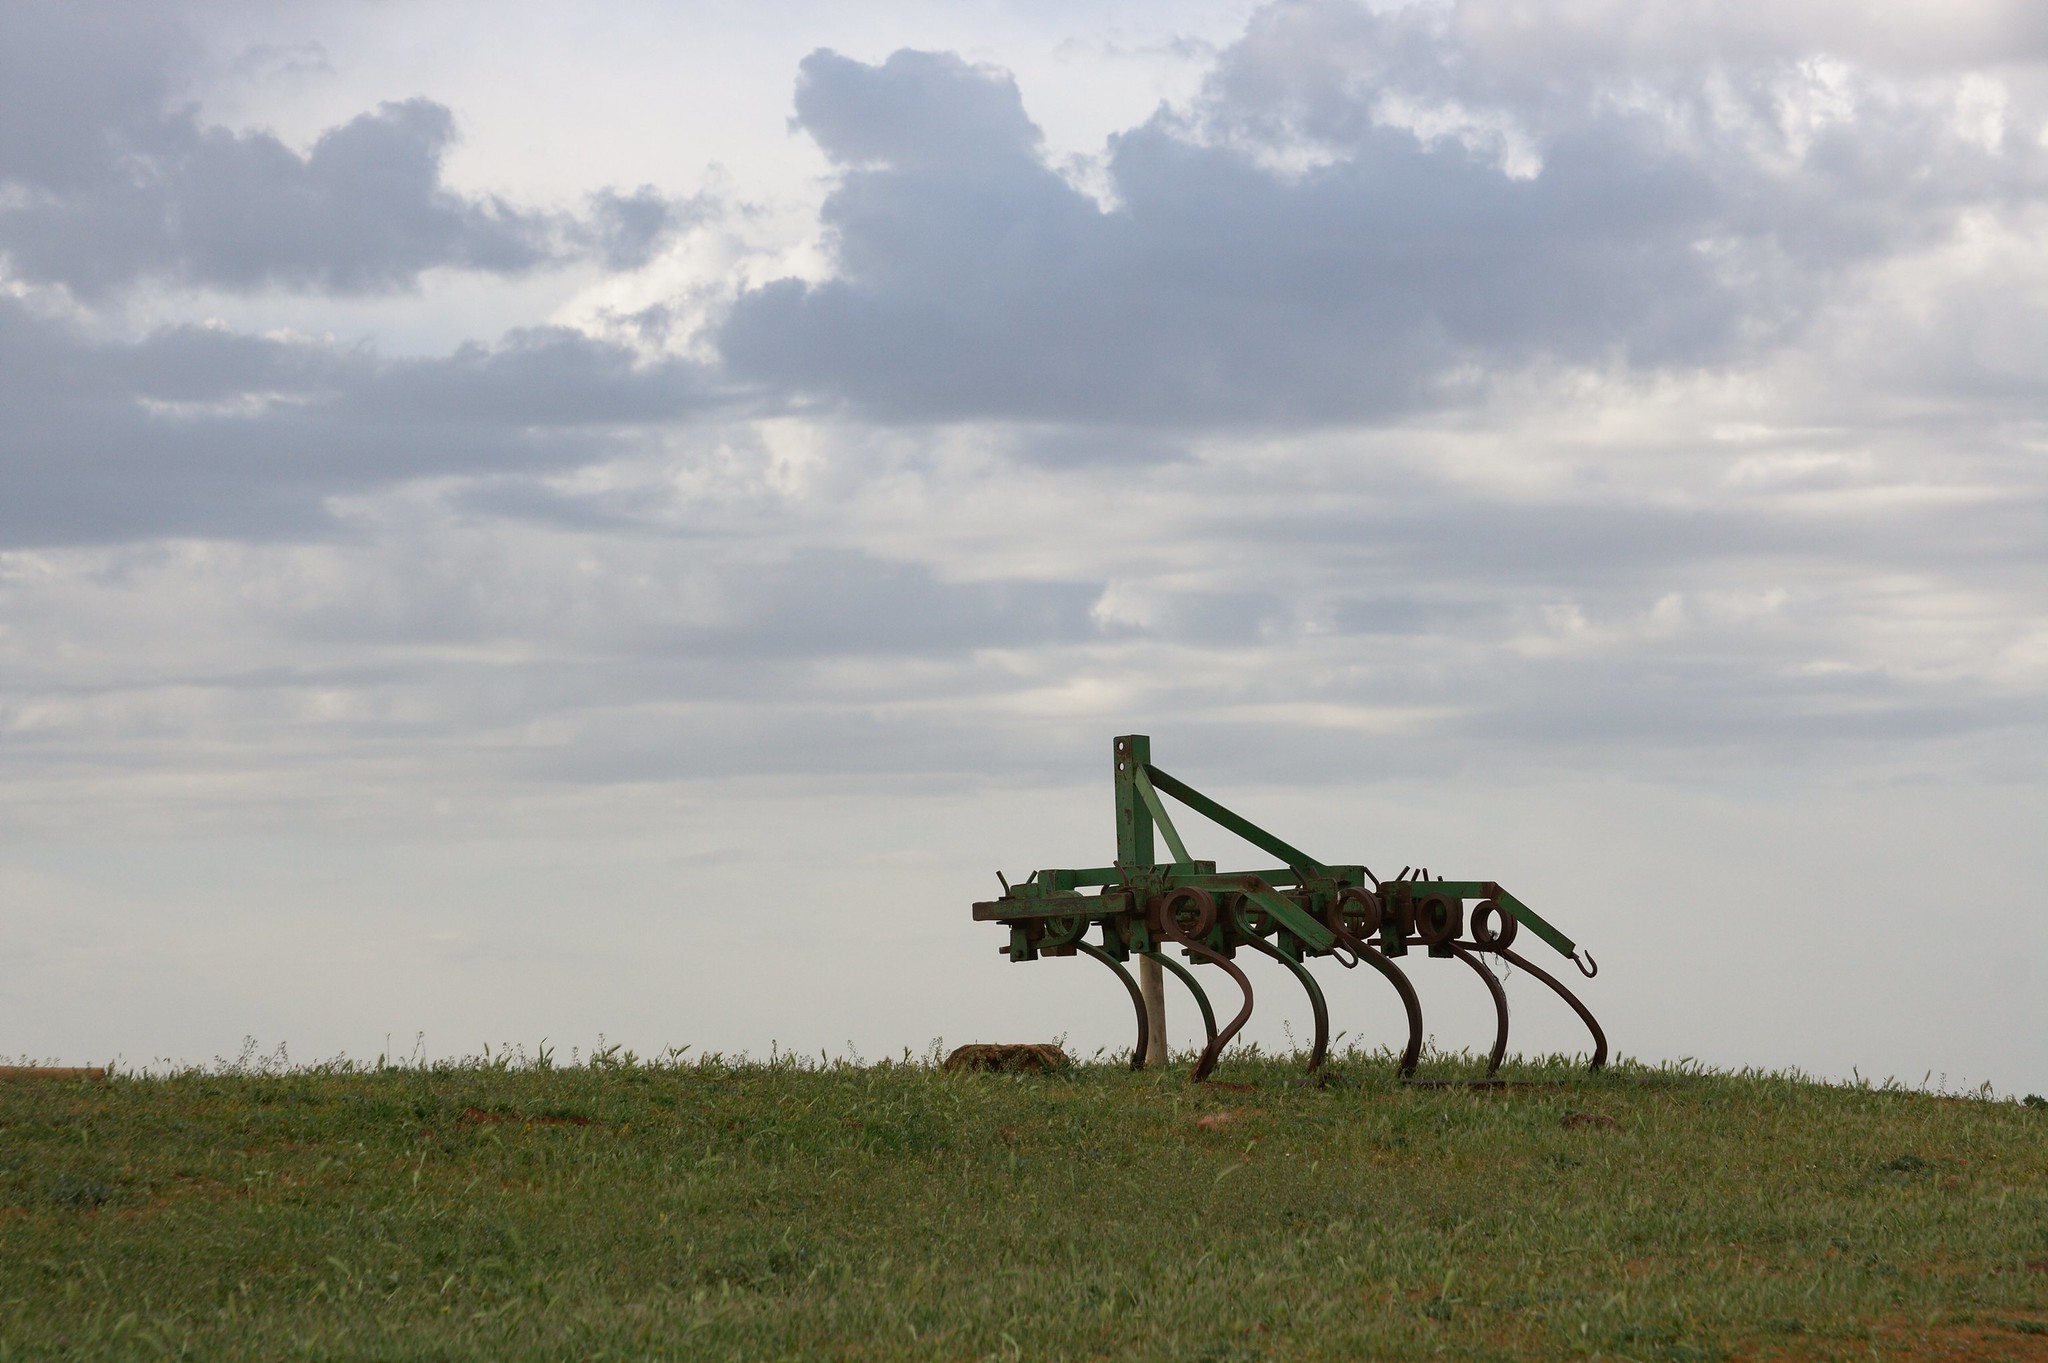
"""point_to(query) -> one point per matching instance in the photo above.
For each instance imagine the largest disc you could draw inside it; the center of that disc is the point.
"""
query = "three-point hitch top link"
(1293, 913)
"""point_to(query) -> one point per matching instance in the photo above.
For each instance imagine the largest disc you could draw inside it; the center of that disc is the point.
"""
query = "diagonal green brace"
(1289, 916)
(1236, 823)
(1533, 921)
(1158, 812)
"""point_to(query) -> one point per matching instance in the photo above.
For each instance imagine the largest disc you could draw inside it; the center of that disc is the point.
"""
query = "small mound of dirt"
(1223, 1118)
(93, 1072)
(1023, 1057)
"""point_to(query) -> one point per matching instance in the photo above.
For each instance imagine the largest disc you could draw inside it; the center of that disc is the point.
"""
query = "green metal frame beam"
(1141, 812)
(1487, 889)
(1236, 823)
(1159, 816)
(1534, 922)
(1133, 820)
(1289, 915)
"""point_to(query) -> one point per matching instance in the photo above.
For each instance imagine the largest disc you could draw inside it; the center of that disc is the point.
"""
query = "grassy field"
(713, 1210)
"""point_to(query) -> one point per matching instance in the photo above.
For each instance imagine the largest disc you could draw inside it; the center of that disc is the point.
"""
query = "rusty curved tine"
(1500, 1006)
(1411, 1057)
(1201, 906)
(1207, 1064)
(1372, 956)
(1187, 977)
(1315, 997)
(1599, 1037)
(1137, 998)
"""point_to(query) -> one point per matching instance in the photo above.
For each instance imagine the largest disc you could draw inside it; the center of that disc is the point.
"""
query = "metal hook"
(1588, 967)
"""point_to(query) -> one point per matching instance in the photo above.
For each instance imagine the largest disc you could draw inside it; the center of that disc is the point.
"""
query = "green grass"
(780, 1210)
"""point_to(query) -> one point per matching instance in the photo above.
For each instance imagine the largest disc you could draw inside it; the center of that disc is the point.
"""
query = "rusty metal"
(1299, 911)
(1318, 1006)
(1411, 1054)
(1500, 1007)
(1187, 977)
(1483, 930)
(1599, 1037)
(1137, 998)
(1184, 915)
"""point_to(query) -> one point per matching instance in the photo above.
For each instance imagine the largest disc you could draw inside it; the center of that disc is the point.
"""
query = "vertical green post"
(1133, 820)
(1134, 848)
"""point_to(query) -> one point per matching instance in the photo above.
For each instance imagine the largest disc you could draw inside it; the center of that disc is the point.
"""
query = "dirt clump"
(1028, 1057)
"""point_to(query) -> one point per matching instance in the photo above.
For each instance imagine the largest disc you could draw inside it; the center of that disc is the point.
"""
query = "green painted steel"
(1236, 823)
(1290, 916)
(1305, 907)
(1530, 919)
(1048, 910)
(1486, 889)
(1133, 821)
(1160, 819)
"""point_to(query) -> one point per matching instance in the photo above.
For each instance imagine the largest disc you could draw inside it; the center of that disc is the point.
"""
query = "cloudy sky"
(618, 522)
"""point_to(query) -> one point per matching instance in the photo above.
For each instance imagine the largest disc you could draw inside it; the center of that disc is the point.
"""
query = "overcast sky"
(618, 522)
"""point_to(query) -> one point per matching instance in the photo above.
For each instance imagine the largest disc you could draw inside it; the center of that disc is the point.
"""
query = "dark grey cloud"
(1076, 446)
(1395, 615)
(835, 602)
(363, 212)
(707, 620)
(625, 231)
(1291, 251)
(107, 182)
(73, 79)
(1455, 540)
(199, 431)
(794, 739)
(882, 115)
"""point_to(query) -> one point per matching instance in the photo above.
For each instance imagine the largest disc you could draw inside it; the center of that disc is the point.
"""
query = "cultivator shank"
(1295, 912)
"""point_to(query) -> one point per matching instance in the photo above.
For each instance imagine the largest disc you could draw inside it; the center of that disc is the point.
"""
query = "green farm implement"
(1295, 912)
